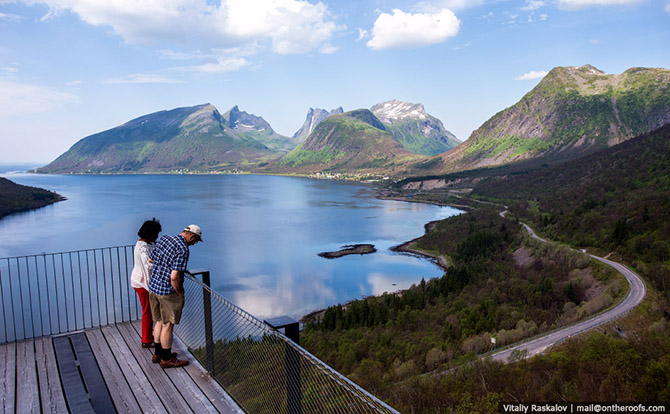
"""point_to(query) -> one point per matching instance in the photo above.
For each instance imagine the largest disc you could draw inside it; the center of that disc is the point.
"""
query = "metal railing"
(263, 370)
(55, 293)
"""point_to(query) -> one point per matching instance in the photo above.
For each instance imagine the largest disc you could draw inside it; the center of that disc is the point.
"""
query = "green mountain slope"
(572, 112)
(195, 138)
(415, 129)
(347, 142)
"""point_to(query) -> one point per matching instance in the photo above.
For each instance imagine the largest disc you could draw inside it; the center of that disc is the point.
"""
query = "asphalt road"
(538, 344)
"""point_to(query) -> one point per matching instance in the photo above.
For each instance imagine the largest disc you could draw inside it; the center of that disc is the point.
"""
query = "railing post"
(207, 306)
(293, 387)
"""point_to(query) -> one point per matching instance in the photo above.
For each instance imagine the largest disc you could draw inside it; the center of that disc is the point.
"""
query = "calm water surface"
(262, 233)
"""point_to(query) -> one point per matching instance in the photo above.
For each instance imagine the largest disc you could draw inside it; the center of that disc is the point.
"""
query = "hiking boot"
(156, 359)
(173, 363)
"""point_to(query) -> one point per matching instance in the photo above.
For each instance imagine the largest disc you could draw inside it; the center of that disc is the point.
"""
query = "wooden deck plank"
(127, 382)
(95, 384)
(51, 392)
(27, 390)
(108, 361)
(8, 378)
(167, 392)
(189, 390)
(31, 374)
(73, 389)
(212, 390)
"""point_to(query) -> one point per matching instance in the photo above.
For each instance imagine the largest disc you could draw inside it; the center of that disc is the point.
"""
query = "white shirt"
(141, 267)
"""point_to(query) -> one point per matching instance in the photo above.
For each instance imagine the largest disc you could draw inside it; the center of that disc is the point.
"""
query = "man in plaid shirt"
(166, 290)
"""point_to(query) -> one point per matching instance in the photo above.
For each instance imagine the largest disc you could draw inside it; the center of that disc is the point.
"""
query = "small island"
(350, 249)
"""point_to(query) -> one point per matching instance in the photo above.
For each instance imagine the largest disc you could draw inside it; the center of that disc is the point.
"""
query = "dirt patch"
(523, 258)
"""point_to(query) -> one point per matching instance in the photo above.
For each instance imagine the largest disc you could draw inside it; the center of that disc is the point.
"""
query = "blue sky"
(71, 68)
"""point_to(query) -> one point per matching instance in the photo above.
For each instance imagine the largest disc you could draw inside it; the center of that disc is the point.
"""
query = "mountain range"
(200, 138)
(573, 111)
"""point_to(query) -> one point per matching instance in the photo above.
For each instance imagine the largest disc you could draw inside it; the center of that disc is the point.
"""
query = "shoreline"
(402, 248)
(405, 248)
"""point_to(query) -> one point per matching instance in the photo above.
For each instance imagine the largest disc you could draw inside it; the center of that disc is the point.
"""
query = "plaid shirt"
(170, 253)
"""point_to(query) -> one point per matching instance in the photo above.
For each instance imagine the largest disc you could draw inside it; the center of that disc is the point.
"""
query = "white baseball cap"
(195, 229)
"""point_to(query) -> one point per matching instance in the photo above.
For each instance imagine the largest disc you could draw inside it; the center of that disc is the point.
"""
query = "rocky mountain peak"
(314, 117)
(394, 111)
(241, 120)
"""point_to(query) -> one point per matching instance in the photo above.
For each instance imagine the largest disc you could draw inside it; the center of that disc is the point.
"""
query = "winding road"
(538, 344)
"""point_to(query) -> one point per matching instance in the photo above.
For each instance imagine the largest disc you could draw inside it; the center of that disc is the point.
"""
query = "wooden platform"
(31, 382)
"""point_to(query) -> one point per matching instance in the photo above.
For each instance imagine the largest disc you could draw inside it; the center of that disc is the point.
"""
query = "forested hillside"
(15, 197)
(616, 200)
(502, 284)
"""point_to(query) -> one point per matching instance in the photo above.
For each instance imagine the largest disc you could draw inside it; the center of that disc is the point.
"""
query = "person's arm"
(145, 254)
(177, 282)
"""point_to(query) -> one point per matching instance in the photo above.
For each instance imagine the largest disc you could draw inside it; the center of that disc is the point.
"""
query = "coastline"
(405, 248)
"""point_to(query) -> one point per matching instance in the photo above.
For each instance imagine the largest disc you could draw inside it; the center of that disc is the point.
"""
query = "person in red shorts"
(139, 278)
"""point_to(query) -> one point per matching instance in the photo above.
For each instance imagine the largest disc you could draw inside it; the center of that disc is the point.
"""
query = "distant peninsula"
(350, 249)
(16, 197)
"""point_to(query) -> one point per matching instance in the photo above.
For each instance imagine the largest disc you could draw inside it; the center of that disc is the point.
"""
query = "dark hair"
(150, 229)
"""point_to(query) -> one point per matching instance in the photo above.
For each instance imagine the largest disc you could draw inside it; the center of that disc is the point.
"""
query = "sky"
(72, 68)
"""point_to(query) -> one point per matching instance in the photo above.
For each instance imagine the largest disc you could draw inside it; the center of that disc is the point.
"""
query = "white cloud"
(292, 26)
(21, 99)
(362, 34)
(580, 4)
(533, 74)
(328, 49)
(222, 65)
(143, 78)
(10, 17)
(402, 29)
(175, 55)
(532, 5)
(447, 4)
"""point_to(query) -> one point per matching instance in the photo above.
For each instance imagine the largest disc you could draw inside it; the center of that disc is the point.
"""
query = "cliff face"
(314, 118)
(248, 126)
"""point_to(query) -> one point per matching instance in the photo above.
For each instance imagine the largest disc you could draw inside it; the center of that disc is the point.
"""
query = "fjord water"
(261, 234)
